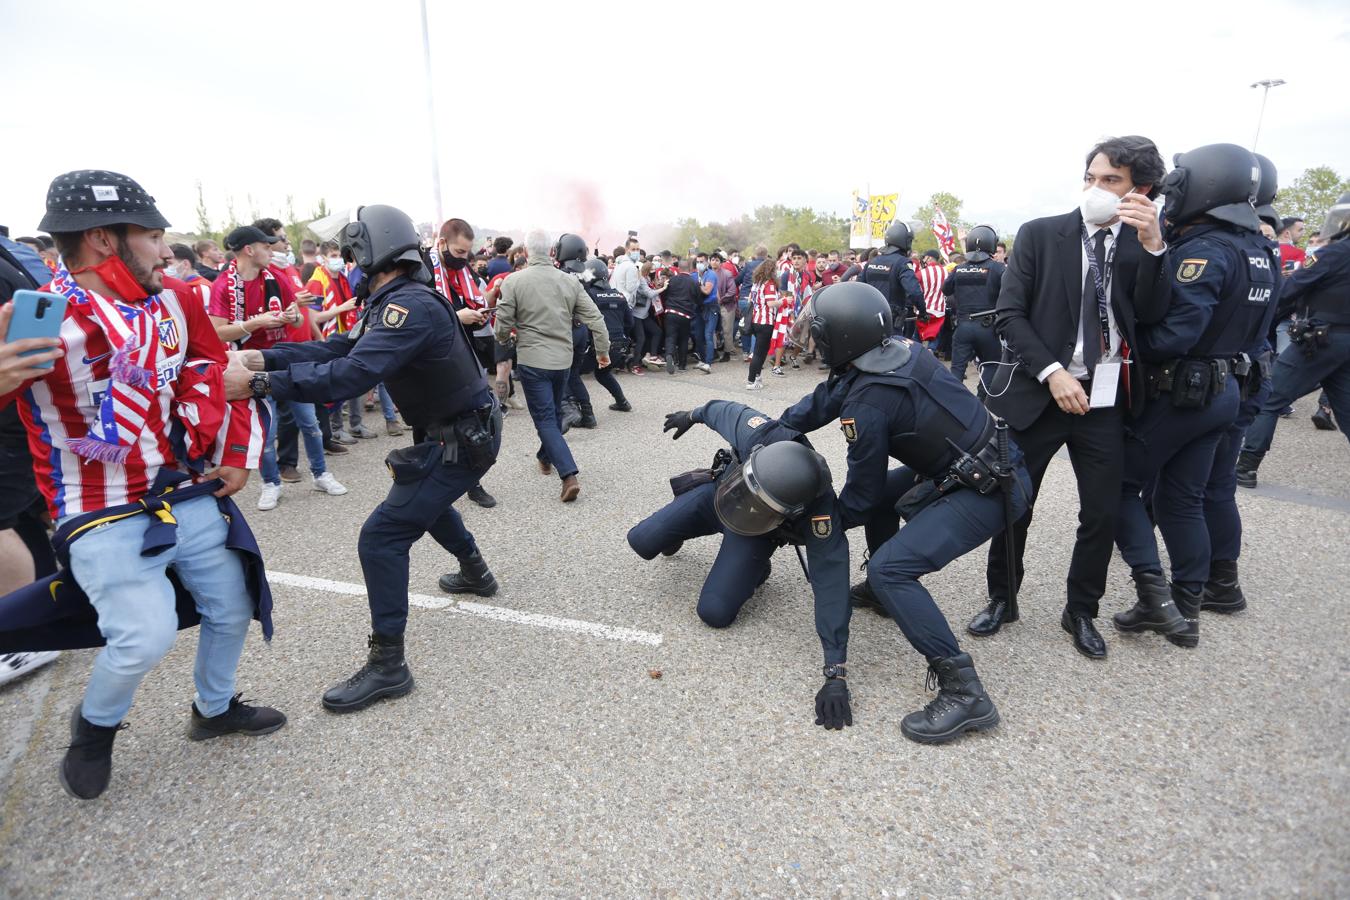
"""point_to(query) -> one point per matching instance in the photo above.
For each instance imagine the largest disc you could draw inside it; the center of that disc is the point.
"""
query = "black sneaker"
(87, 765)
(481, 497)
(240, 718)
(621, 406)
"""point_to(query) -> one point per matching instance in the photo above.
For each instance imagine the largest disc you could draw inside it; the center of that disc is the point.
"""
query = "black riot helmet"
(776, 483)
(899, 236)
(380, 237)
(1265, 192)
(1216, 180)
(596, 273)
(1337, 223)
(570, 253)
(981, 242)
(850, 318)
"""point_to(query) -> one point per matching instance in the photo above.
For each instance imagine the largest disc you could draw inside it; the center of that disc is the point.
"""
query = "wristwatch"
(835, 670)
(260, 384)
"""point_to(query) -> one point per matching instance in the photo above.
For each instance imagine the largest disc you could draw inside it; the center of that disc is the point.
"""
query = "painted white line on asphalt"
(482, 610)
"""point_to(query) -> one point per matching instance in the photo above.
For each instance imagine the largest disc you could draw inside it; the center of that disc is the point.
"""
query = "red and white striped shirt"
(761, 295)
(931, 278)
(60, 408)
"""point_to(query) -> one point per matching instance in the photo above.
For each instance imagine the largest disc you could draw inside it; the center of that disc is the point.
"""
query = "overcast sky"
(626, 114)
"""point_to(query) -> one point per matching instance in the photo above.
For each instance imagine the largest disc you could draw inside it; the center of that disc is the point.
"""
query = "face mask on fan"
(1098, 205)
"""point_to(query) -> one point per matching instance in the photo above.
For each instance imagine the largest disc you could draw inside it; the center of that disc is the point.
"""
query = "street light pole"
(1267, 84)
(431, 116)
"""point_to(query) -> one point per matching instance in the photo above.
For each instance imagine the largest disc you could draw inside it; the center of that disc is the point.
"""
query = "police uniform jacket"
(1321, 289)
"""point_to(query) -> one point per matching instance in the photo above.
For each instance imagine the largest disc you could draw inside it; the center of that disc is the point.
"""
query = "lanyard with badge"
(1106, 374)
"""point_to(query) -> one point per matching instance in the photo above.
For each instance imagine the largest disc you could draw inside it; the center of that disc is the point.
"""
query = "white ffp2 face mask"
(1099, 205)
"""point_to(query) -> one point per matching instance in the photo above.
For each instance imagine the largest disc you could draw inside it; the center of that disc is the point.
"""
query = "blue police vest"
(943, 410)
(1249, 290)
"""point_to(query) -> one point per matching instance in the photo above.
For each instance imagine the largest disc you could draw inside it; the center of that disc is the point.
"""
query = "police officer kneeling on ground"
(768, 490)
(1320, 352)
(892, 274)
(894, 399)
(974, 285)
(409, 338)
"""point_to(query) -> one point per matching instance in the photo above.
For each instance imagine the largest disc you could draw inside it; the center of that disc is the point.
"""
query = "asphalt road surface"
(541, 756)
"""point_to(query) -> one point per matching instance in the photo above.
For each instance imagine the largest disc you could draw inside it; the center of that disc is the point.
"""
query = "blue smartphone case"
(37, 314)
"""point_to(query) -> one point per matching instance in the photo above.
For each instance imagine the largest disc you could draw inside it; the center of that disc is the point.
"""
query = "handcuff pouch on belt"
(979, 472)
(1309, 335)
(1193, 383)
(470, 440)
(687, 481)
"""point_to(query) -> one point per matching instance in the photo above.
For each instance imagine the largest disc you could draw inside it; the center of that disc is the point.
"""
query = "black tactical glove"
(832, 709)
(679, 422)
(923, 316)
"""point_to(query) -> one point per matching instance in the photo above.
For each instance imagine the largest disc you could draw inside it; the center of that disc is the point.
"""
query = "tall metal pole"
(431, 116)
(1266, 85)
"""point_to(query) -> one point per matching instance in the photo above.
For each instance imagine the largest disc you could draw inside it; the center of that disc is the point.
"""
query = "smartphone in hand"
(37, 314)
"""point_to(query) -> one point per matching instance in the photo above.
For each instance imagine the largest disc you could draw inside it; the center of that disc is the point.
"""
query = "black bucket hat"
(92, 198)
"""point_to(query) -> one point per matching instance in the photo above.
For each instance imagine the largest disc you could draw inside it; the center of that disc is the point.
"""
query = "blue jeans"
(305, 419)
(544, 391)
(137, 611)
(712, 320)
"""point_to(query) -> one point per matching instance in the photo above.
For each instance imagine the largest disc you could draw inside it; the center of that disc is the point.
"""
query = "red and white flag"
(943, 232)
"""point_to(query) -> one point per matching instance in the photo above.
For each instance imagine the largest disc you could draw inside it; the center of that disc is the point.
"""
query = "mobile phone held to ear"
(37, 314)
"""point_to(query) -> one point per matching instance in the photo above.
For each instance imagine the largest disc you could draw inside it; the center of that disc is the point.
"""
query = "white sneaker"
(270, 496)
(705, 368)
(329, 485)
(12, 665)
(756, 385)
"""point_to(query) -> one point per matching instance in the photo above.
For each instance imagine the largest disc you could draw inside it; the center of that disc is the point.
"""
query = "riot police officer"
(892, 274)
(974, 285)
(618, 316)
(893, 399)
(1320, 352)
(569, 254)
(1224, 285)
(409, 338)
(768, 489)
(1223, 591)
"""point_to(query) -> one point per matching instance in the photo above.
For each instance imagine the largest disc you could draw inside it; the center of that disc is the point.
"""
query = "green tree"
(772, 226)
(950, 204)
(1310, 196)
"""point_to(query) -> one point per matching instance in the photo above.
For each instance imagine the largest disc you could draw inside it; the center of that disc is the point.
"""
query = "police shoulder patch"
(1191, 270)
(394, 315)
(821, 526)
(850, 429)
(755, 421)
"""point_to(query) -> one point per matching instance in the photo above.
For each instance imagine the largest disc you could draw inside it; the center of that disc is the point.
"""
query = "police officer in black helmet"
(408, 337)
(893, 275)
(618, 316)
(569, 254)
(1319, 297)
(894, 400)
(1224, 286)
(974, 286)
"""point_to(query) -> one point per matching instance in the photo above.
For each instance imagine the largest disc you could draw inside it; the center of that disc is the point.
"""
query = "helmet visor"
(740, 507)
(1337, 220)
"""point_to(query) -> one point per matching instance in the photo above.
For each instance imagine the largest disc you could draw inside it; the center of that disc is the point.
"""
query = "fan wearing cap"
(1225, 285)
(771, 488)
(894, 400)
(135, 407)
(410, 338)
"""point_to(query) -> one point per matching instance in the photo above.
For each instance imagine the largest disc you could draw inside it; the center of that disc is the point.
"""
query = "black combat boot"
(621, 405)
(85, 771)
(587, 419)
(1154, 611)
(960, 706)
(1188, 604)
(473, 577)
(861, 596)
(1247, 464)
(1223, 593)
(385, 674)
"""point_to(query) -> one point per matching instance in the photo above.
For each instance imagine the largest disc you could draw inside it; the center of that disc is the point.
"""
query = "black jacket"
(1040, 302)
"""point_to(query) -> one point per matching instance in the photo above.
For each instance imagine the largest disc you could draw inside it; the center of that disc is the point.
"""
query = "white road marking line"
(482, 610)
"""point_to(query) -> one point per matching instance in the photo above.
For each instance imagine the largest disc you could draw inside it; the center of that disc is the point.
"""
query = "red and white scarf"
(457, 285)
(235, 285)
(132, 331)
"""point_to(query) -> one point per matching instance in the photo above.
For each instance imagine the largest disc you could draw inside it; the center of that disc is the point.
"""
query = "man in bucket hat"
(131, 417)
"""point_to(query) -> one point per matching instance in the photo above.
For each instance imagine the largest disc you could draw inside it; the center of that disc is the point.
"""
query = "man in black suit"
(1063, 334)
